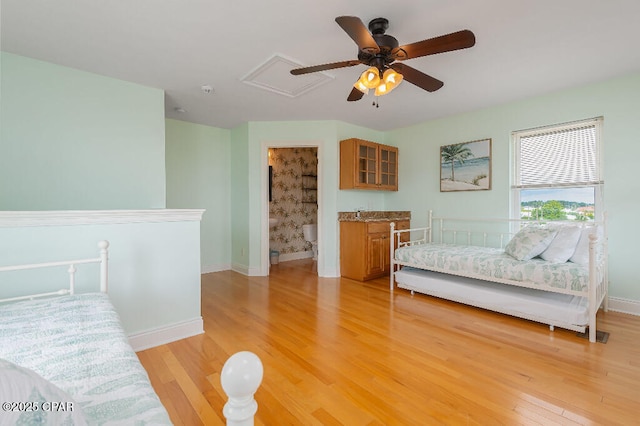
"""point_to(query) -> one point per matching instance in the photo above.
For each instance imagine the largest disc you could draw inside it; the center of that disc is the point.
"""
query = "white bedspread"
(495, 265)
(77, 343)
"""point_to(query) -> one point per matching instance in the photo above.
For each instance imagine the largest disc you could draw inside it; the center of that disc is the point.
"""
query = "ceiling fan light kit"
(380, 51)
(371, 79)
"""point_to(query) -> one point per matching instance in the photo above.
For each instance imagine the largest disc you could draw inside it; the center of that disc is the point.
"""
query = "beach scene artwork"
(465, 166)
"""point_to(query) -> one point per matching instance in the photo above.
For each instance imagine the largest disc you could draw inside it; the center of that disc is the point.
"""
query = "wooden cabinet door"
(378, 241)
(378, 254)
(367, 165)
(388, 168)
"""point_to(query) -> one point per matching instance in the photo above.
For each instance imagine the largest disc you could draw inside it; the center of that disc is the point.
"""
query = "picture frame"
(466, 166)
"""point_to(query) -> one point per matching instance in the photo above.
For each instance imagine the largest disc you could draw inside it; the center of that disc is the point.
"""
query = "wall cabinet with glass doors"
(368, 165)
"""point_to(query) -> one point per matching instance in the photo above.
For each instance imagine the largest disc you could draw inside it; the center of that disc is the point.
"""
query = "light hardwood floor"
(337, 351)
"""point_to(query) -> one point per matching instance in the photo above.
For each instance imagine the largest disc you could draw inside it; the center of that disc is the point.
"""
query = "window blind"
(560, 157)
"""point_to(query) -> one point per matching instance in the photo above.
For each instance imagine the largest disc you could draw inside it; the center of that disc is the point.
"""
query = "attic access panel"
(273, 75)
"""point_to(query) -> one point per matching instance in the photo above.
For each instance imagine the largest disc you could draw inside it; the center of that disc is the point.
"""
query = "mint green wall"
(326, 135)
(191, 183)
(240, 205)
(292, 133)
(198, 164)
(154, 268)
(617, 100)
(72, 140)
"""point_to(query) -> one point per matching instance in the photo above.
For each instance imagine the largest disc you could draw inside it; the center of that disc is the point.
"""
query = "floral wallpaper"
(294, 197)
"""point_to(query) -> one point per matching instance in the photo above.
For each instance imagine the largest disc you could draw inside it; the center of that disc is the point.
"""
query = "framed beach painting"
(466, 166)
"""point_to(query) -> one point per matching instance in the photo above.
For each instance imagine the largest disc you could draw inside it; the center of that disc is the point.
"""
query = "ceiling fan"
(380, 51)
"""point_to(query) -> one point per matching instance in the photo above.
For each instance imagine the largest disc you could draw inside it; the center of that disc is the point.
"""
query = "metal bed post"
(594, 300)
(392, 245)
(605, 260)
(72, 279)
(104, 269)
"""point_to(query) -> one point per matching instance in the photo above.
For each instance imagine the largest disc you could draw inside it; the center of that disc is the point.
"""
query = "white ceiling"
(523, 48)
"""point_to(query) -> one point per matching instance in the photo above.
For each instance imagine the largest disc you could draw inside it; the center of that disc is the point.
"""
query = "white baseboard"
(626, 306)
(255, 272)
(329, 273)
(241, 269)
(215, 268)
(295, 256)
(167, 334)
(245, 270)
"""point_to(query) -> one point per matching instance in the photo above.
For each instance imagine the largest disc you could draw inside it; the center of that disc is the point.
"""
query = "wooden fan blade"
(446, 43)
(420, 79)
(325, 67)
(355, 95)
(354, 27)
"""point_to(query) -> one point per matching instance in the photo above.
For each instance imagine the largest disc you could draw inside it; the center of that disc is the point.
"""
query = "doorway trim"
(264, 197)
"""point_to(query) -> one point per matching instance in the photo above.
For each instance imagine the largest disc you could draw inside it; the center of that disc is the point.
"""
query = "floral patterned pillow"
(529, 242)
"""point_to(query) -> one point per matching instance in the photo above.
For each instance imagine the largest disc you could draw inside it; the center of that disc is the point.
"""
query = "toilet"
(310, 232)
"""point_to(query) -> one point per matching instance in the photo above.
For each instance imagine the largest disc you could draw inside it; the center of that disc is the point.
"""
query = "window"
(557, 172)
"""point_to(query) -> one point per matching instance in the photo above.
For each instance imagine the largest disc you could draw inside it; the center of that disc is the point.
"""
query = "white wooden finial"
(241, 376)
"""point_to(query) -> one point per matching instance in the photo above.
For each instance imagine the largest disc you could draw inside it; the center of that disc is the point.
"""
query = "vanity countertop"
(373, 216)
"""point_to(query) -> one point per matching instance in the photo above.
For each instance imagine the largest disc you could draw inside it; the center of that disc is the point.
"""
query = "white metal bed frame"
(597, 292)
(103, 260)
(242, 370)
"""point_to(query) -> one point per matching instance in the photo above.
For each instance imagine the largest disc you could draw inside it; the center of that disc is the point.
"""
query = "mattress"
(494, 264)
(77, 343)
(546, 307)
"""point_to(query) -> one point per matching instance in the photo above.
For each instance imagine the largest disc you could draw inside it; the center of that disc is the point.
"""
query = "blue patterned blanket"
(494, 264)
(78, 344)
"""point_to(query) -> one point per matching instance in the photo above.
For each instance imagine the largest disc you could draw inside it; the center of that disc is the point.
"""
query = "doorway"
(294, 184)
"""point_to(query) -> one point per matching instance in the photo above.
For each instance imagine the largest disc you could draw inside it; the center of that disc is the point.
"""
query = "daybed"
(550, 272)
(65, 359)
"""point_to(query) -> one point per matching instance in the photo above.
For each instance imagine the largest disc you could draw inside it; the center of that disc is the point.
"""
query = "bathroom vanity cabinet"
(365, 247)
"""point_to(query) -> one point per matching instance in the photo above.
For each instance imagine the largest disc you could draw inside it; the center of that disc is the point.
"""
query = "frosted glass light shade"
(361, 87)
(390, 79)
(370, 78)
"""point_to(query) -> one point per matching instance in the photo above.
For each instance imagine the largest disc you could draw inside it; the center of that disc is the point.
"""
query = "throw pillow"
(563, 245)
(43, 403)
(581, 254)
(529, 242)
